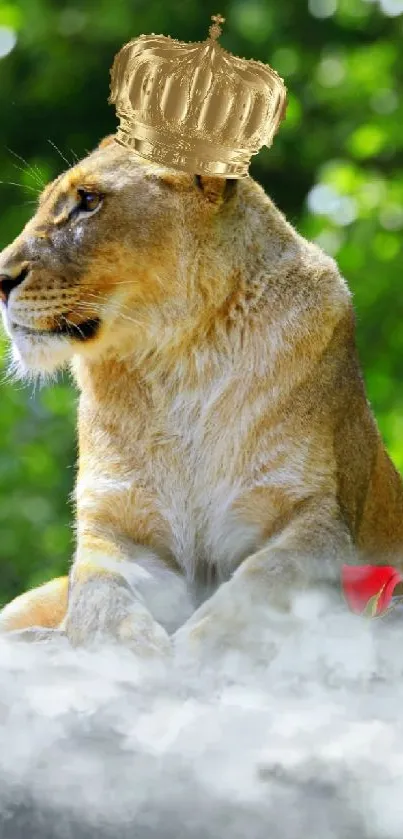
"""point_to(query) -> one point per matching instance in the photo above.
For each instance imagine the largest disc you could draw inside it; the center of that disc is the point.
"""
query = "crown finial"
(215, 29)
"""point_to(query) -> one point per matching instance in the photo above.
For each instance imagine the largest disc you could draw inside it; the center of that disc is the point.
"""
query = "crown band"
(168, 152)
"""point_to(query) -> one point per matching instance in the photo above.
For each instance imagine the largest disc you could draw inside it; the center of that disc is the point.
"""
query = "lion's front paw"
(231, 622)
(143, 634)
(36, 634)
(100, 611)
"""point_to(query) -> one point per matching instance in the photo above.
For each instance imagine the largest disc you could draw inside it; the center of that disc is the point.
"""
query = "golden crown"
(195, 106)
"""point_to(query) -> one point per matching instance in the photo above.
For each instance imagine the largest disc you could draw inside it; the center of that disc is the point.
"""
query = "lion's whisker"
(60, 153)
(34, 170)
(22, 186)
(117, 310)
(75, 156)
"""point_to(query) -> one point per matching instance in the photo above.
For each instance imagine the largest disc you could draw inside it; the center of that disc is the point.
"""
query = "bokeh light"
(8, 40)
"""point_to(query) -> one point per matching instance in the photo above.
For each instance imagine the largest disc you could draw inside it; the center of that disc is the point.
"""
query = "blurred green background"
(336, 170)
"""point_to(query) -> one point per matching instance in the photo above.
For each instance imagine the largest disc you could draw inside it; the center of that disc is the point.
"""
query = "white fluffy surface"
(96, 744)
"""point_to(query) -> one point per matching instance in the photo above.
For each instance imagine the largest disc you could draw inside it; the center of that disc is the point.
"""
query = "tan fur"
(227, 450)
(43, 606)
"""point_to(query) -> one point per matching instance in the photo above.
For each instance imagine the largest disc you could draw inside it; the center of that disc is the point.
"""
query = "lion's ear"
(216, 189)
(107, 141)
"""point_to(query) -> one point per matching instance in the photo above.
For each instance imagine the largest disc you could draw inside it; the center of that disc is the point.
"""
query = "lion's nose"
(11, 280)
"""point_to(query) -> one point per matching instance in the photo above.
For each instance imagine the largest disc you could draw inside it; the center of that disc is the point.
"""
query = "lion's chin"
(42, 352)
(34, 355)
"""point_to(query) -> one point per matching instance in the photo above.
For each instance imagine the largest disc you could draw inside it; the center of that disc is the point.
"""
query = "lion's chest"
(178, 479)
(207, 535)
(199, 477)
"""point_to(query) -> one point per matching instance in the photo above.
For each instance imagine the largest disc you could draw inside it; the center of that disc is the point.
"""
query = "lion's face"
(106, 260)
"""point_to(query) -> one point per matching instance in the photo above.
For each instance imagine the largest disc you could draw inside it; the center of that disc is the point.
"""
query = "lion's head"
(119, 253)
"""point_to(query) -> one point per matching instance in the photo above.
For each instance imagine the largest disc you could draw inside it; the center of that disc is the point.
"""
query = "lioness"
(227, 449)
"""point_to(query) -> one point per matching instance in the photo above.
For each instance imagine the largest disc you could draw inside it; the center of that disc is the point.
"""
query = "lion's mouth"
(80, 332)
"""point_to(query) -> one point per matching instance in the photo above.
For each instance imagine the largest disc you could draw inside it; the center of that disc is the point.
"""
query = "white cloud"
(310, 744)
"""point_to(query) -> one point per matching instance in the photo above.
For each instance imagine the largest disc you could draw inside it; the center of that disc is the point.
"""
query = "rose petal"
(361, 583)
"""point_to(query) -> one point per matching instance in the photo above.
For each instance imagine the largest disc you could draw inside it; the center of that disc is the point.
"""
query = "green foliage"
(336, 170)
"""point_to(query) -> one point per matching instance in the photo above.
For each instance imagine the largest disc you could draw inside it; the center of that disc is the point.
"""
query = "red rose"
(368, 589)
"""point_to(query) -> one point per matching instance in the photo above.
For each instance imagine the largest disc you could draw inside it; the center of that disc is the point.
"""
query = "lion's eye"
(89, 201)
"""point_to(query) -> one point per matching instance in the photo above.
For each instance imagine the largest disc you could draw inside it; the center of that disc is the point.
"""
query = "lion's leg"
(44, 606)
(122, 592)
(308, 553)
